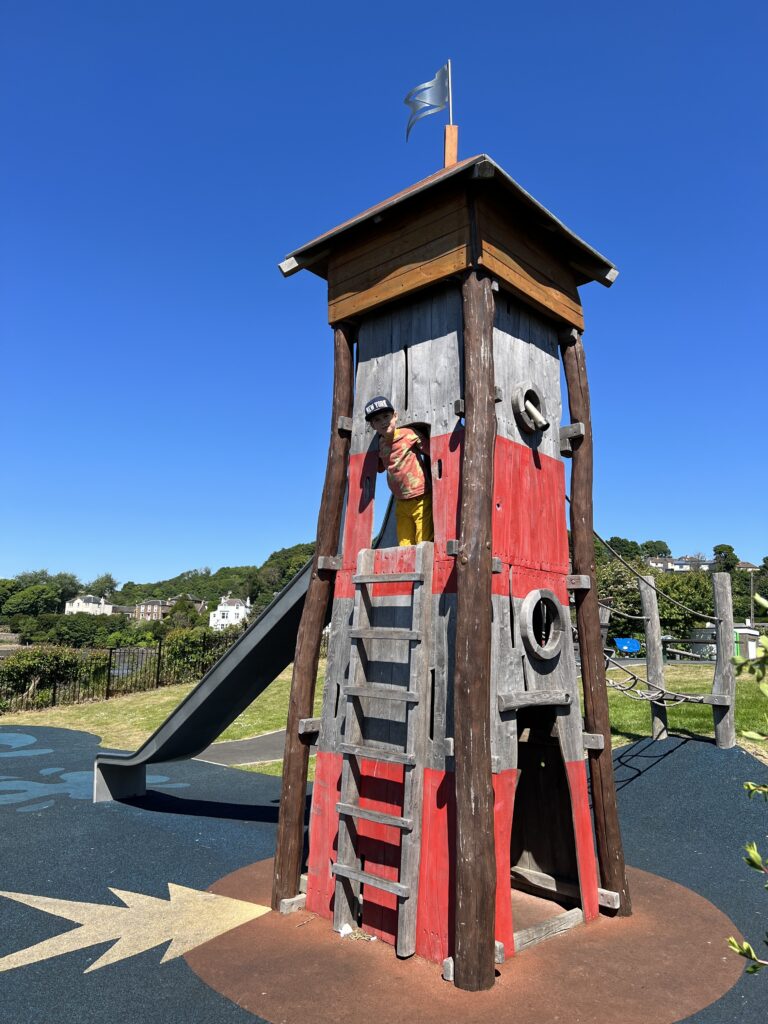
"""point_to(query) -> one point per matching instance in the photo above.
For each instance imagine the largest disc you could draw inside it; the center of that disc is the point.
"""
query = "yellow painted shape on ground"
(188, 918)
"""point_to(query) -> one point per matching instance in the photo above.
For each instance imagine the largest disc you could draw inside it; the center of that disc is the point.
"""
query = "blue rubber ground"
(684, 816)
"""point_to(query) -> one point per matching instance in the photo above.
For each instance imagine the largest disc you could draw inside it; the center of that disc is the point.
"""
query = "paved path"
(267, 747)
(684, 816)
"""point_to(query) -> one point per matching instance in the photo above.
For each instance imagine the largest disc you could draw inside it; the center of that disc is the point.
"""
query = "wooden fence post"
(290, 827)
(159, 663)
(610, 851)
(475, 921)
(725, 679)
(654, 654)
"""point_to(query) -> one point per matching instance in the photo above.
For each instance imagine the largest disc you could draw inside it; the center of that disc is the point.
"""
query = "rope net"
(648, 690)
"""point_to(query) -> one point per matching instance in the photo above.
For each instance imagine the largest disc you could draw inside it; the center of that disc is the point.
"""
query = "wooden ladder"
(348, 870)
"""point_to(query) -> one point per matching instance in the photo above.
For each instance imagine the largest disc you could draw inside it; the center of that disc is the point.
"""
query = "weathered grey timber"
(526, 878)
(528, 937)
(525, 349)
(725, 681)
(654, 654)
(578, 582)
(610, 850)
(411, 355)
(294, 904)
(475, 852)
(535, 698)
(506, 680)
(290, 828)
(365, 697)
(443, 658)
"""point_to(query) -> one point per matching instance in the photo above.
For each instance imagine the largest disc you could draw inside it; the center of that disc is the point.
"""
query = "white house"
(685, 563)
(230, 612)
(89, 604)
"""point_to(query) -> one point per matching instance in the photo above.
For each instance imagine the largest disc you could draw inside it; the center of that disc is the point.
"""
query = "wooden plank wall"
(526, 348)
(410, 353)
(408, 253)
(509, 251)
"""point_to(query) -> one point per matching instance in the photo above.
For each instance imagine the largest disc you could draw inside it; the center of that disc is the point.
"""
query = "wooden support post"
(610, 851)
(451, 145)
(290, 828)
(725, 680)
(654, 654)
(474, 945)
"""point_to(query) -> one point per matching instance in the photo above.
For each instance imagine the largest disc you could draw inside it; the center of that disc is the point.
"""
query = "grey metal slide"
(225, 691)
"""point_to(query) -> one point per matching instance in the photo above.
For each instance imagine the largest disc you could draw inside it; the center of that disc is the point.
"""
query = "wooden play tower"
(451, 766)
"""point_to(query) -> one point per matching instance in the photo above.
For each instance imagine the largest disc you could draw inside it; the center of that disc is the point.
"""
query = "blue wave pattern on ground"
(25, 794)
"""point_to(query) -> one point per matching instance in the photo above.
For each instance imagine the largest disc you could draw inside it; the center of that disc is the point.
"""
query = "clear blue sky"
(166, 393)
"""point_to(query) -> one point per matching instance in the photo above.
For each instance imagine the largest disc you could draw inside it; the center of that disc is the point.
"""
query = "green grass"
(124, 723)
(631, 719)
(275, 768)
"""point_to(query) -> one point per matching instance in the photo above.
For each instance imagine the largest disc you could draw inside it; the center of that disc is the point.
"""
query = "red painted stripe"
(529, 528)
(436, 910)
(344, 586)
(445, 457)
(395, 560)
(504, 786)
(585, 843)
(323, 830)
(358, 522)
(526, 580)
(379, 845)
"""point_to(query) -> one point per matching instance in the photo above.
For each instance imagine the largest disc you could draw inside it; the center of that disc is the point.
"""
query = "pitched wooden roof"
(587, 263)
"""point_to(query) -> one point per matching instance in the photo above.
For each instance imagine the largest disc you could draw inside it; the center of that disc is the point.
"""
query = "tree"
(69, 586)
(34, 600)
(658, 548)
(103, 586)
(698, 558)
(725, 559)
(184, 615)
(628, 549)
(32, 578)
(7, 589)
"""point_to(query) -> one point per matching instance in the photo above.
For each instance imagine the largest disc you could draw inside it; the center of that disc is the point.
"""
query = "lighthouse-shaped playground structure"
(451, 769)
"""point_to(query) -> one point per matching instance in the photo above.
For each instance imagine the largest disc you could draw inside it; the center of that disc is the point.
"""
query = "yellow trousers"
(414, 520)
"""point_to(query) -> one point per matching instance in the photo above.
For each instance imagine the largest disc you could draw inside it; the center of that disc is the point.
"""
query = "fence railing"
(89, 675)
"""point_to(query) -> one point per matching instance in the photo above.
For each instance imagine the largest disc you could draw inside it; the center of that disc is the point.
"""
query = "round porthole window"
(541, 624)
(529, 408)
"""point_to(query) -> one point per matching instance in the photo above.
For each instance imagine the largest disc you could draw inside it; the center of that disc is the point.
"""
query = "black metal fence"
(50, 676)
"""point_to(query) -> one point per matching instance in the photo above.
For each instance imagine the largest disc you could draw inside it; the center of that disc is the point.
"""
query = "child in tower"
(404, 453)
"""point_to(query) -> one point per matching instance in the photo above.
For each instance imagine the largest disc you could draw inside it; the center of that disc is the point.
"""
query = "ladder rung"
(378, 816)
(386, 884)
(384, 633)
(384, 692)
(388, 577)
(376, 754)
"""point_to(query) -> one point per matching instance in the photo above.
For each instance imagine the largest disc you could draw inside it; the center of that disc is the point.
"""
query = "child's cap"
(377, 405)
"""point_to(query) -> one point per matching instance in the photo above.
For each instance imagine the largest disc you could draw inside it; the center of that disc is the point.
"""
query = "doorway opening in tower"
(543, 847)
(375, 486)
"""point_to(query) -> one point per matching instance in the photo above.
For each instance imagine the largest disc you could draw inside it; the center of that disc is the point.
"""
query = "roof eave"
(588, 263)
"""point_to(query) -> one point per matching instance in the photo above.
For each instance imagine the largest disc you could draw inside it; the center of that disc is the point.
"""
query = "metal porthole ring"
(555, 642)
(522, 414)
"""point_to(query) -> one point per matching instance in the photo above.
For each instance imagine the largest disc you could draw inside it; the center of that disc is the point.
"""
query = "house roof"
(587, 263)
